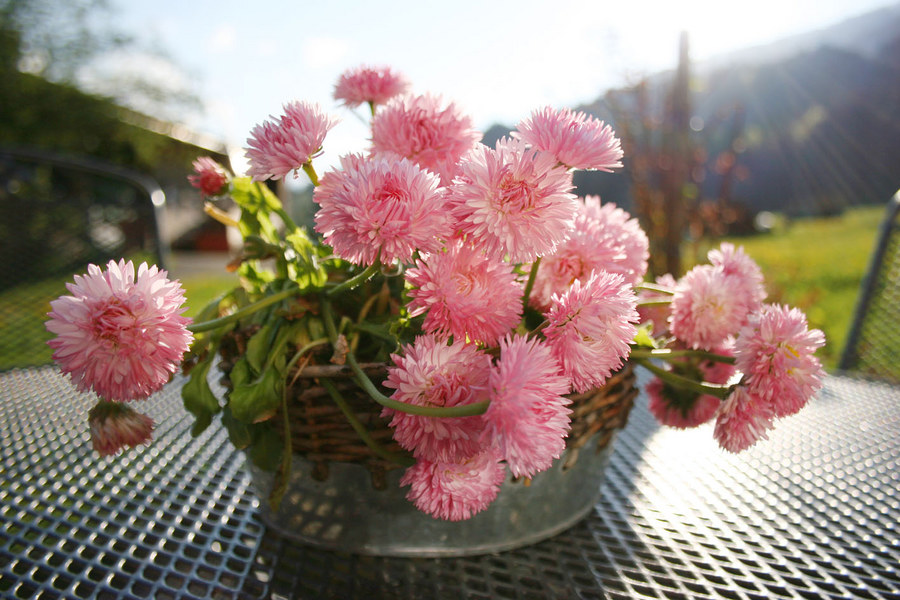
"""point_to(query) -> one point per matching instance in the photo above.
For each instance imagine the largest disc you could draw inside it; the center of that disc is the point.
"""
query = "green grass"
(23, 311)
(817, 265)
(203, 288)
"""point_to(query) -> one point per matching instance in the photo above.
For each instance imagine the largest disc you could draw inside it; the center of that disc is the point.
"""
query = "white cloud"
(223, 38)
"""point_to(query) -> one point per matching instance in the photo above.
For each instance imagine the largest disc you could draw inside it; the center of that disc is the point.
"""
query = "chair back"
(57, 215)
(873, 343)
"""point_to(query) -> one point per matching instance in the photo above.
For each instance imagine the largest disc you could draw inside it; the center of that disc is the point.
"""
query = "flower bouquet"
(454, 316)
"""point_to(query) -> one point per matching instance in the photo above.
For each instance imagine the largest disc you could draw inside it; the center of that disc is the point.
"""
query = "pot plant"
(438, 365)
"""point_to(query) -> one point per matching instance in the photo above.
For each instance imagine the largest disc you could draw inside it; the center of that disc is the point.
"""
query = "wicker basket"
(342, 496)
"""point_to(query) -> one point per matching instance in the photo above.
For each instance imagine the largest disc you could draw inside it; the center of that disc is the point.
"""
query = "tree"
(70, 42)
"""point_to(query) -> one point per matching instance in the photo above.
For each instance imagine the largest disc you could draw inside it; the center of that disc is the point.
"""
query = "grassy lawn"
(817, 265)
(202, 289)
(814, 264)
(23, 311)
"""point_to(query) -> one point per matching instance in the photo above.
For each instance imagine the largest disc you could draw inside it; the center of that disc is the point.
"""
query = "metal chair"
(873, 344)
(57, 215)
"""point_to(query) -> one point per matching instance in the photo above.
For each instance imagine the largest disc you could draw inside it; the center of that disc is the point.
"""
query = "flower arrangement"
(489, 290)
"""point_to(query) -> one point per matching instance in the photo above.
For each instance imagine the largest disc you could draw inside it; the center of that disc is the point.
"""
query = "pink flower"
(735, 263)
(118, 333)
(210, 177)
(465, 294)
(743, 419)
(604, 238)
(711, 304)
(375, 85)
(115, 426)
(424, 130)
(527, 419)
(285, 144)
(590, 328)
(674, 407)
(776, 353)
(511, 200)
(454, 491)
(385, 205)
(574, 139)
(432, 373)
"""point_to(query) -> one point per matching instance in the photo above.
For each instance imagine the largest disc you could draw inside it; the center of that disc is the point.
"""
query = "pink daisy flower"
(209, 176)
(279, 146)
(743, 419)
(455, 491)
(527, 419)
(709, 305)
(115, 426)
(734, 262)
(120, 334)
(373, 85)
(432, 373)
(465, 294)
(605, 238)
(590, 328)
(776, 353)
(433, 135)
(385, 205)
(576, 140)
(678, 408)
(513, 201)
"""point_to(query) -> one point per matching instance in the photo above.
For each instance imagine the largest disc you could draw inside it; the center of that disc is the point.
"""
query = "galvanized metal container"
(345, 512)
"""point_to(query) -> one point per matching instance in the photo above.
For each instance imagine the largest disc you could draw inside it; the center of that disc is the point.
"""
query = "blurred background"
(775, 125)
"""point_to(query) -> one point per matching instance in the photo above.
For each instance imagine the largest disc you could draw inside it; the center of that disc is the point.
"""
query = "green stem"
(355, 280)
(650, 287)
(374, 331)
(243, 312)
(719, 391)
(465, 410)
(667, 354)
(304, 350)
(361, 430)
(283, 474)
(530, 283)
(311, 173)
(654, 302)
(286, 218)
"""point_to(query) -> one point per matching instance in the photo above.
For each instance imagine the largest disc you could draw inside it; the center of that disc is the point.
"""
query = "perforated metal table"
(811, 513)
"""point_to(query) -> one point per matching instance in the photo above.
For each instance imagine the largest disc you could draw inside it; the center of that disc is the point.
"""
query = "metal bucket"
(346, 513)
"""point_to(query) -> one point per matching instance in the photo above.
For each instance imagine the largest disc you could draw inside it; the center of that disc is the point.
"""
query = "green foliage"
(199, 399)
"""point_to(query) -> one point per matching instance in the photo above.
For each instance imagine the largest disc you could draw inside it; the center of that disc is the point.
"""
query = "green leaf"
(252, 196)
(259, 345)
(257, 400)
(241, 374)
(266, 449)
(644, 336)
(238, 432)
(308, 270)
(198, 397)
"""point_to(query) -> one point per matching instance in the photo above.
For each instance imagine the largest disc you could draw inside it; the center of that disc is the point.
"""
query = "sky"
(497, 60)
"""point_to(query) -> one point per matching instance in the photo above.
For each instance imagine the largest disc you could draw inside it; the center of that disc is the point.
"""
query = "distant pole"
(676, 154)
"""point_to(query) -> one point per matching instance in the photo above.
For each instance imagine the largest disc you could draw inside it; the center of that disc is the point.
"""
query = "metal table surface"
(811, 513)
